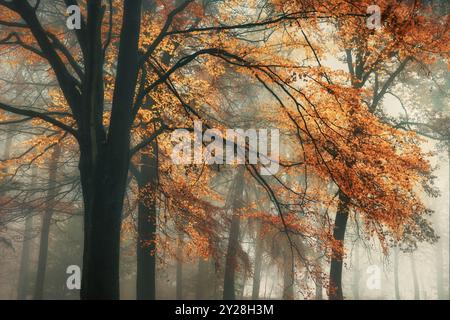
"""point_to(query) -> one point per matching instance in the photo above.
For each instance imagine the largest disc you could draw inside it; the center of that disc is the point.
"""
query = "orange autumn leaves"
(328, 130)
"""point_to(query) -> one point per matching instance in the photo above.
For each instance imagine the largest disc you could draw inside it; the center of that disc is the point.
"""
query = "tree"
(120, 93)
(257, 262)
(147, 217)
(46, 222)
(104, 157)
(80, 71)
(368, 55)
(231, 261)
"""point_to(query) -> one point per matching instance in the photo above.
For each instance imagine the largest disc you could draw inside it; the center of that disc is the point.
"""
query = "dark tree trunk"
(229, 290)
(147, 222)
(46, 221)
(104, 161)
(102, 244)
(396, 279)
(258, 264)
(340, 224)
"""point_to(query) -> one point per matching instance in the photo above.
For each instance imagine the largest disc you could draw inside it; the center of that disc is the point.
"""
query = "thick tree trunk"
(229, 290)
(415, 278)
(147, 222)
(46, 221)
(104, 162)
(102, 244)
(340, 224)
(396, 279)
(258, 263)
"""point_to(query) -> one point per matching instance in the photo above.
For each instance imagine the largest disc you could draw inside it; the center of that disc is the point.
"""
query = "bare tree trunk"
(415, 278)
(46, 221)
(229, 291)
(340, 224)
(396, 279)
(258, 263)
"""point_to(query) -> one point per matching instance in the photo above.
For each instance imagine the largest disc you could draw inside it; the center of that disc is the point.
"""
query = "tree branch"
(42, 116)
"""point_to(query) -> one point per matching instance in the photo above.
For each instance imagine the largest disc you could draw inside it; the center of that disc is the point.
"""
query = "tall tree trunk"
(356, 272)
(415, 278)
(242, 286)
(200, 288)
(396, 278)
(288, 275)
(229, 291)
(46, 221)
(24, 273)
(179, 285)
(340, 224)
(448, 151)
(104, 160)
(319, 289)
(147, 222)
(258, 263)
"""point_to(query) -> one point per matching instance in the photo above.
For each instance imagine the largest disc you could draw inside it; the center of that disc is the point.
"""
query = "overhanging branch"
(39, 115)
